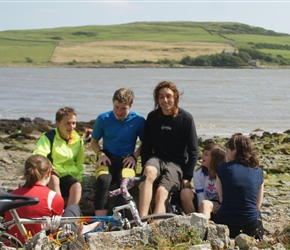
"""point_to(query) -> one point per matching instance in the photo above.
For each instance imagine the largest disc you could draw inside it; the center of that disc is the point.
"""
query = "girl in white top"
(205, 198)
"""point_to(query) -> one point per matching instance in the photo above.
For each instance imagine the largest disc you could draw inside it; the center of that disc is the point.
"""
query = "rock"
(245, 242)
(16, 147)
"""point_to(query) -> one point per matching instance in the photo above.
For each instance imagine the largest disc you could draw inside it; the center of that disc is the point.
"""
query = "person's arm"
(219, 189)
(57, 205)
(102, 159)
(198, 186)
(42, 146)
(131, 160)
(146, 149)
(79, 160)
(192, 151)
(260, 197)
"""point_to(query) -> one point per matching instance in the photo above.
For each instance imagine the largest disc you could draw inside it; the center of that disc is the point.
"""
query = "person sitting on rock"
(205, 198)
(240, 185)
(37, 172)
(119, 129)
(65, 148)
(169, 150)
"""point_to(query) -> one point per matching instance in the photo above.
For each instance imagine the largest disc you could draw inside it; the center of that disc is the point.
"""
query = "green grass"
(38, 45)
(248, 40)
(127, 32)
(18, 51)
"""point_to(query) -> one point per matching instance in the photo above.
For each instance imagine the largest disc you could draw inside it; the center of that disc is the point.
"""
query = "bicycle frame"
(116, 220)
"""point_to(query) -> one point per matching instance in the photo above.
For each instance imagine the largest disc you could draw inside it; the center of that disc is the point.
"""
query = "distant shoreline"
(129, 66)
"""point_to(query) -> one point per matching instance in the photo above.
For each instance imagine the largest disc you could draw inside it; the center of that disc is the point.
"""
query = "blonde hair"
(35, 169)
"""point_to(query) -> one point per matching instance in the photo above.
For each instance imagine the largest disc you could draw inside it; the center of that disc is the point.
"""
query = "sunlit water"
(222, 101)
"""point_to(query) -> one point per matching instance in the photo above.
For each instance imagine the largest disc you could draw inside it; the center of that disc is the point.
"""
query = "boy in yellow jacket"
(65, 149)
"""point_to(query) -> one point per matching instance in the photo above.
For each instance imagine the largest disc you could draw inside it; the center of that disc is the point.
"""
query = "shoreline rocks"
(18, 139)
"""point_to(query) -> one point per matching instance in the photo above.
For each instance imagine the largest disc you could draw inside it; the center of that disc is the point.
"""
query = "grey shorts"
(169, 174)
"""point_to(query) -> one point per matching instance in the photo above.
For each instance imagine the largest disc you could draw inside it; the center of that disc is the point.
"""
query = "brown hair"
(176, 94)
(124, 95)
(63, 112)
(218, 156)
(244, 150)
(36, 167)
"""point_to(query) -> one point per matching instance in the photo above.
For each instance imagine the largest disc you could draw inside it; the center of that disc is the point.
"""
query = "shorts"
(169, 174)
(65, 184)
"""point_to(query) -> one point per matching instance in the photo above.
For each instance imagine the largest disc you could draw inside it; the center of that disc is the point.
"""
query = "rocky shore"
(18, 139)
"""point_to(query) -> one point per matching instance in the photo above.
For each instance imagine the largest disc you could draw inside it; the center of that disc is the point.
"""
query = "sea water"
(221, 101)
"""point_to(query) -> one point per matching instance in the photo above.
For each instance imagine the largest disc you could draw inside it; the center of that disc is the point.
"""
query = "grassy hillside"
(141, 41)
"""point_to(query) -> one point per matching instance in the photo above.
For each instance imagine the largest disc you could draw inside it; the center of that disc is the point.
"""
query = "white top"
(205, 188)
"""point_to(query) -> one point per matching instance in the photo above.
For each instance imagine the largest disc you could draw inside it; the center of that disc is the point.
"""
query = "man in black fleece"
(169, 150)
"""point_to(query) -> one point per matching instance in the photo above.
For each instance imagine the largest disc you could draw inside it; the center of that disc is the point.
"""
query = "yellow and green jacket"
(67, 157)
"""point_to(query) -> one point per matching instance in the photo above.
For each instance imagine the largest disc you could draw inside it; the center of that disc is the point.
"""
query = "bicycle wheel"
(153, 217)
(10, 240)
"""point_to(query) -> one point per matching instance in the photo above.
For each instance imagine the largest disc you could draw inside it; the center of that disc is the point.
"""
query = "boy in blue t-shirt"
(119, 129)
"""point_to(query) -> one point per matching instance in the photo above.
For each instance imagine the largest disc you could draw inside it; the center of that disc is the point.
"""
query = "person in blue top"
(119, 130)
(240, 185)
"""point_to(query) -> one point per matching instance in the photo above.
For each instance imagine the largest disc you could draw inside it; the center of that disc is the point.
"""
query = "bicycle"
(9, 202)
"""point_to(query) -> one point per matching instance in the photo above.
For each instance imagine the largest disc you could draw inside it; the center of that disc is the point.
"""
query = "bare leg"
(75, 194)
(54, 184)
(146, 190)
(186, 198)
(101, 212)
(160, 200)
(90, 227)
(206, 207)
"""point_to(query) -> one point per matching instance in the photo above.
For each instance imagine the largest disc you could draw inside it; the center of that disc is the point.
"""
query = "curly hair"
(176, 94)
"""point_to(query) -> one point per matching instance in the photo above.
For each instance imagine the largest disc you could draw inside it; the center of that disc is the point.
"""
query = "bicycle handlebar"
(12, 201)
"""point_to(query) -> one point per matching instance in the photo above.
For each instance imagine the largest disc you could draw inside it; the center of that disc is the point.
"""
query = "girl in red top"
(37, 173)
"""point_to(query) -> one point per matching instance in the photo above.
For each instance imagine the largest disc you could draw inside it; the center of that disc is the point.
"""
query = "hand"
(103, 160)
(215, 209)
(129, 162)
(185, 184)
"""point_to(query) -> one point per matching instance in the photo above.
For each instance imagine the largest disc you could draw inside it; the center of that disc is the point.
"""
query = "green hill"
(169, 42)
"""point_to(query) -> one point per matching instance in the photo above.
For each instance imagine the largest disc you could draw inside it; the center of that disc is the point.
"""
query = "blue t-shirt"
(119, 137)
(240, 185)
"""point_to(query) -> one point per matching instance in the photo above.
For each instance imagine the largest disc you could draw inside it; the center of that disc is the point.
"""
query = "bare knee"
(186, 194)
(161, 194)
(206, 205)
(76, 187)
(151, 173)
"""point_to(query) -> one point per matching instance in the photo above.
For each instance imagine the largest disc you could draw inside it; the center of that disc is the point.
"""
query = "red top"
(50, 203)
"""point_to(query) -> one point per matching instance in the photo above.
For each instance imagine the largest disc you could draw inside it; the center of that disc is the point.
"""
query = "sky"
(41, 14)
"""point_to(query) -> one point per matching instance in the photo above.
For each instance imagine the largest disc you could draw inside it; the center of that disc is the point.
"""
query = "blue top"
(240, 185)
(119, 137)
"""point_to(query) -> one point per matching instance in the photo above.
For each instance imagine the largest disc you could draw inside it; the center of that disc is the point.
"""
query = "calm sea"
(222, 101)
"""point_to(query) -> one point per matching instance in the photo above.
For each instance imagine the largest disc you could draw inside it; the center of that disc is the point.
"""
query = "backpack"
(50, 135)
